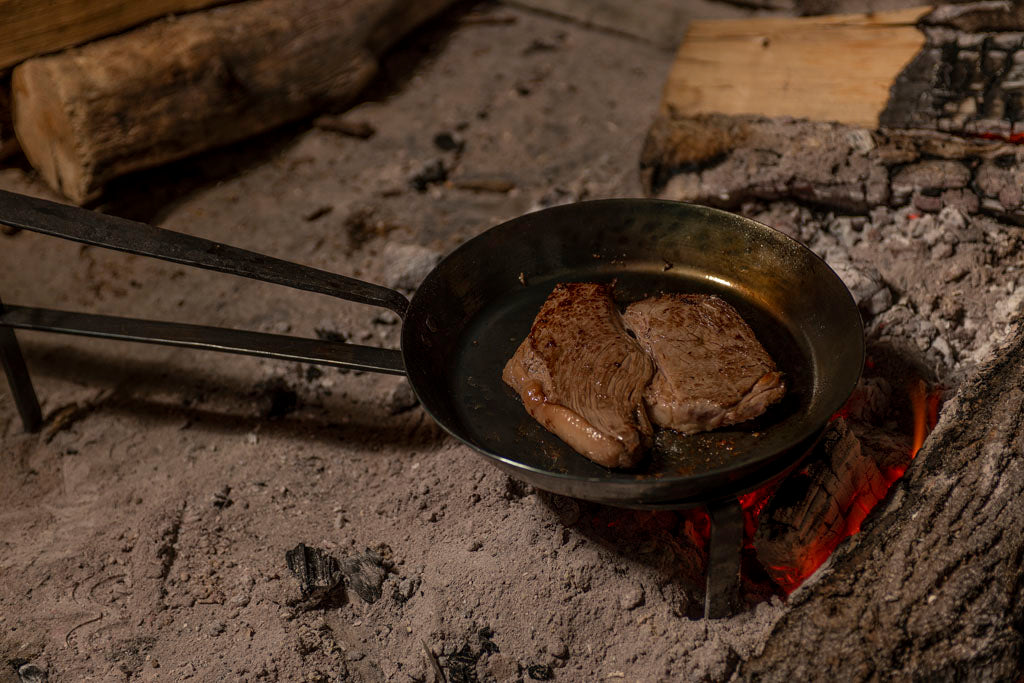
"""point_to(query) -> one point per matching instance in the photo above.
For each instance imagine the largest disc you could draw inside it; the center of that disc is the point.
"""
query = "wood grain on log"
(33, 28)
(932, 588)
(829, 68)
(176, 87)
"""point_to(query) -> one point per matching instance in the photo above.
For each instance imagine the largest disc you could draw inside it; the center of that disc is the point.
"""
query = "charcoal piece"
(446, 142)
(330, 335)
(282, 402)
(461, 665)
(318, 572)
(317, 213)
(487, 644)
(30, 673)
(364, 574)
(431, 173)
(222, 498)
(279, 398)
(539, 672)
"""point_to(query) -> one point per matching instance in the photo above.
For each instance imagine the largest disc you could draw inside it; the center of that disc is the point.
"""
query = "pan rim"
(626, 479)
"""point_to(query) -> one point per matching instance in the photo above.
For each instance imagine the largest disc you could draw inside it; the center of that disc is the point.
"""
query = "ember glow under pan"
(469, 315)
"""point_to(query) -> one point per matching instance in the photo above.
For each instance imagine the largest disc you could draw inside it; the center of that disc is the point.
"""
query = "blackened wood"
(978, 16)
(810, 512)
(364, 574)
(932, 588)
(318, 572)
(728, 160)
(964, 80)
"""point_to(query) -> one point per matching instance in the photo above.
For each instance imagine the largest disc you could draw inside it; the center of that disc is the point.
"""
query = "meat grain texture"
(582, 377)
(696, 366)
(711, 369)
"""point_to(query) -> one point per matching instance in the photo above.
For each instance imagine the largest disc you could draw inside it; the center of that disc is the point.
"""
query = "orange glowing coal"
(925, 406)
(925, 411)
(696, 524)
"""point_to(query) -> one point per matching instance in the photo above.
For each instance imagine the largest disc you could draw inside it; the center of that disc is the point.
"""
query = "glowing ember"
(858, 482)
(1014, 137)
(867, 490)
(925, 406)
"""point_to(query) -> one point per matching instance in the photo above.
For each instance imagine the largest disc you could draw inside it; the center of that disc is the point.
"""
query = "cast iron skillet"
(470, 314)
(472, 311)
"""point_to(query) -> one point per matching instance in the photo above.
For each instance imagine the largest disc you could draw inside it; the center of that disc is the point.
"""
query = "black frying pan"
(471, 312)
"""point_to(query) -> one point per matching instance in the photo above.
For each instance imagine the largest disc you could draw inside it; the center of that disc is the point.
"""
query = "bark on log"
(728, 160)
(932, 587)
(177, 87)
(33, 28)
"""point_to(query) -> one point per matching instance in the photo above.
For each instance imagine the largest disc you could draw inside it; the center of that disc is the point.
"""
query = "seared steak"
(582, 377)
(711, 370)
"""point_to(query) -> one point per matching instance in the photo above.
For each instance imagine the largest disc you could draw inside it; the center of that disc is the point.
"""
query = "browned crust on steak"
(711, 369)
(581, 376)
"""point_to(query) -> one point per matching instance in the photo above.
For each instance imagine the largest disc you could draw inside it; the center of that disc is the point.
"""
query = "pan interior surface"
(493, 337)
(471, 313)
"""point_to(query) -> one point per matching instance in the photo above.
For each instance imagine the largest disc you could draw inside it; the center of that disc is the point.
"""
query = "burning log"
(931, 587)
(180, 86)
(816, 508)
(949, 126)
(728, 160)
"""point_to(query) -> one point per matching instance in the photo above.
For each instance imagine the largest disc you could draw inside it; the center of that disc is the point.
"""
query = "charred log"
(931, 588)
(815, 509)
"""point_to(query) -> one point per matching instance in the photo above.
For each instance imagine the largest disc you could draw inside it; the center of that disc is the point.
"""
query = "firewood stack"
(182, 84)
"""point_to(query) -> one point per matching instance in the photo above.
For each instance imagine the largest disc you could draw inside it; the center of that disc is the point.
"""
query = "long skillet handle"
(96, 229)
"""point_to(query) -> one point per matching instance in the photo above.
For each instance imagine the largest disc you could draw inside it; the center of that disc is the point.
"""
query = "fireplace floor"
(144, 531)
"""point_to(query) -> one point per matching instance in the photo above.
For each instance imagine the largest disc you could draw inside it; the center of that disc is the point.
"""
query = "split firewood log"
(182, 85)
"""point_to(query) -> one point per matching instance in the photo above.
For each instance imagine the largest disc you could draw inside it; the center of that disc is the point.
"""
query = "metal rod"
(724, 552)
(110, 232)
(321, 352)
(18, 379)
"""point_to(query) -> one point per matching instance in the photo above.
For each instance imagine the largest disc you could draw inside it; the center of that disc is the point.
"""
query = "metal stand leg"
(18, 379)
(724, 548)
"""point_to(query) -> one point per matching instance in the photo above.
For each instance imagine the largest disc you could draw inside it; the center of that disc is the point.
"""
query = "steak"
(583, 377)
(711, 370)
